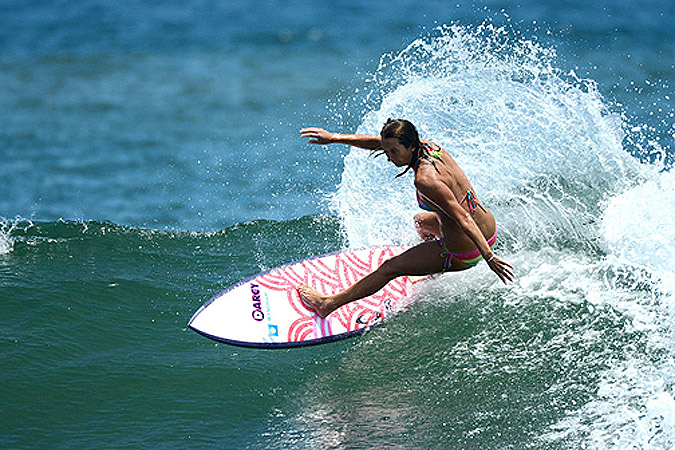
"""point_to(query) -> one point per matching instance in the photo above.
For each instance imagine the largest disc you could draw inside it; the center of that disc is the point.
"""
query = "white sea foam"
(6, 241)
(542, 149)
(639, 230)
(635, 407)
(635, 404)
(582, 220)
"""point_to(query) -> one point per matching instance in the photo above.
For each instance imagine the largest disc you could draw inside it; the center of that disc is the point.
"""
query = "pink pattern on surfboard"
(334, 274)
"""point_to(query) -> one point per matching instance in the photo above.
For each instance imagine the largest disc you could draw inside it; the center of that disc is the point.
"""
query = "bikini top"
(469, 197)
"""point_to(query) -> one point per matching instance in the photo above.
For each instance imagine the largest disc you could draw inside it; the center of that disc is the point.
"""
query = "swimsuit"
(469, 197)
(473, 257)
(421, 204)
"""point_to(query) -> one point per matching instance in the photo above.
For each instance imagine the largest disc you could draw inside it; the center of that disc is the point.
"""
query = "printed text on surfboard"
(255, 296)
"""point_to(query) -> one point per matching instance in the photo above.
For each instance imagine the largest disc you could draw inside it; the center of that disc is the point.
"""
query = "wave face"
(586, 221)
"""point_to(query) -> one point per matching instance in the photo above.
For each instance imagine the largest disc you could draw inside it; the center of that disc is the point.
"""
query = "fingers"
(305, 132)
(503, 270)
(506, 275)
(313, 133)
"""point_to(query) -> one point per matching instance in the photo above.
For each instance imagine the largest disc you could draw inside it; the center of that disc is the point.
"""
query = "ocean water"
(150, 157)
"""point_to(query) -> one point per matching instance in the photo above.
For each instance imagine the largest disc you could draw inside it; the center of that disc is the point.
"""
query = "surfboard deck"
(265, 311)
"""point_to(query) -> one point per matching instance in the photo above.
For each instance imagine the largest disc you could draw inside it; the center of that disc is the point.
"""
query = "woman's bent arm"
(323, 137)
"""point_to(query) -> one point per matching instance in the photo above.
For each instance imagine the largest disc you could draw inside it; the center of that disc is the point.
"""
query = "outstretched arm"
(323, 137)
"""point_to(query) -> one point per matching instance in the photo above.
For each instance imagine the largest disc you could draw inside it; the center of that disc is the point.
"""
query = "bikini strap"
(427, 152)
(472, 200)
(447, 254)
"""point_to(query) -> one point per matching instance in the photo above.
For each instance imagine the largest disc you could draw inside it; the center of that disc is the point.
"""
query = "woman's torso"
(443, 166)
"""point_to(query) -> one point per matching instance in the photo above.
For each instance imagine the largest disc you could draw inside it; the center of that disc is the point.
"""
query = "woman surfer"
(458, 230)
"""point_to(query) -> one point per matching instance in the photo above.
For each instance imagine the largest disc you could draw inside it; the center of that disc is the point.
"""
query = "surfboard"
(265, 311)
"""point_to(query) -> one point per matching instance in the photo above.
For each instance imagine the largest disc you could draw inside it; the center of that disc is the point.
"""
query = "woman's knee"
(426, 225)
(422, 218)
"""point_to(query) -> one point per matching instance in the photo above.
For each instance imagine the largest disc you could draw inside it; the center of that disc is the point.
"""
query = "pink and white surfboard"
(266, 310)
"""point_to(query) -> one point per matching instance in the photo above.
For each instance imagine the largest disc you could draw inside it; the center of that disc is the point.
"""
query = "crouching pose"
(457, 229)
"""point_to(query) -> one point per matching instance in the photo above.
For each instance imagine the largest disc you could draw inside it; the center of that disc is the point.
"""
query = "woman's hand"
(503, 269)
(318, 136)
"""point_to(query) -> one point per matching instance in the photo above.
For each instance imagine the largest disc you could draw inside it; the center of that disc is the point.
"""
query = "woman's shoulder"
(435, 150)
(431, 144)
(430, 172)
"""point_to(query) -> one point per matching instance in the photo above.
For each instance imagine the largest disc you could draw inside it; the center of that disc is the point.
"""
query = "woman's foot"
(312, 298)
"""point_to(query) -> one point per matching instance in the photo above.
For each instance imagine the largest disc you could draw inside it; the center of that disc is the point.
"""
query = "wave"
(583, 215)
(270, 242)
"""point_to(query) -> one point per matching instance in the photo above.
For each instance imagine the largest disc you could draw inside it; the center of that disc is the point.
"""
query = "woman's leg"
(423, 259)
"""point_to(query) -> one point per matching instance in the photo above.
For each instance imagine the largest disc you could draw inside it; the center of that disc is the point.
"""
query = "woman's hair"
(407, 135)
(403, 130)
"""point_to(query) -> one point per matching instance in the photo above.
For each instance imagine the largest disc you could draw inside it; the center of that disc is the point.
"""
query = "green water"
(96, 352)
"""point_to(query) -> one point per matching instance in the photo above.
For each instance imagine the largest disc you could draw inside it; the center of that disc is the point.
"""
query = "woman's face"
(396, 152)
